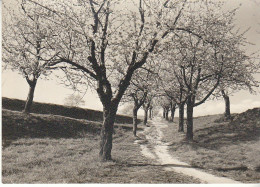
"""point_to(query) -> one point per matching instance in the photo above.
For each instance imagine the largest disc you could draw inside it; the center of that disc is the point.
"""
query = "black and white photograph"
(130, 92)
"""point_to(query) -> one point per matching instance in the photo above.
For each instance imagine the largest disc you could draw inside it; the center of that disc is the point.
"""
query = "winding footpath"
(154, 148)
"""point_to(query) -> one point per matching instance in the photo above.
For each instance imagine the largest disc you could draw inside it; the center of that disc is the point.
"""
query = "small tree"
(172, 109)
(172, 86)
(138, 97)
(140, 92)
(127, 110)
(165, 103)
(241, 77)
(147, 107)
(26, 46)
(151, 113)
(227, 104)
(74, 100)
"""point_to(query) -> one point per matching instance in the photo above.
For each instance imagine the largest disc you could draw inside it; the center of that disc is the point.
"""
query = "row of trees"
(204, 70)
(182, 50)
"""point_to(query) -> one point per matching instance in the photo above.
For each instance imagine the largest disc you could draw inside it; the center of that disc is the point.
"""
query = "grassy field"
(41, 148)
(47, 148)
(224, 149)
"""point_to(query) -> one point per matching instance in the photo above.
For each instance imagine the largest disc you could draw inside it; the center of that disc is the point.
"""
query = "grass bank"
(54, 149)
(224, 149)
(73, 112)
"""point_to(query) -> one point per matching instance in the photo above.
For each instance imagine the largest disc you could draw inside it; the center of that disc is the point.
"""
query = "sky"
(14, 85)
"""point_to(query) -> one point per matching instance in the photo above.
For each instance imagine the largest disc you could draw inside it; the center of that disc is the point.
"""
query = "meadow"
(51, 148)
(223, 148)
(47, 148)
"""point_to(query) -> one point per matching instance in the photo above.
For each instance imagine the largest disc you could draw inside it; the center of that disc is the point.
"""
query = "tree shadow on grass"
(143, 164)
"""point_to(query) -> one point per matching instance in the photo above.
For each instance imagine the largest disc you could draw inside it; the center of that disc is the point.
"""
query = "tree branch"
(79, 67)
(210, 92)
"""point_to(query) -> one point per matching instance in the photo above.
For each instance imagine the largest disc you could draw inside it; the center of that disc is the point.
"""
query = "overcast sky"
(15, 86)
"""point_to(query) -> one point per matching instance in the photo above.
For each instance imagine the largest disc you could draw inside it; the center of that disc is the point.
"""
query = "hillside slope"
(230, 149)
(17, 125)
(73, 112)
(44, 148)
(248, 119)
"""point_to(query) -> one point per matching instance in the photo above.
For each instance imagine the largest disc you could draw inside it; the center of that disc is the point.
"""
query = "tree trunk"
(181, 117)
(167, 114)
(163, 113)
(227, 108)
(150, 113)
(145, 116)
(227, 105)
(189, 135)
(172, 112)
(29, 101)
(135, 110)
(109, 115)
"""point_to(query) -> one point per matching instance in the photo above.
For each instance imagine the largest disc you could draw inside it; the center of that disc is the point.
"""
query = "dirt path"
(153, 148)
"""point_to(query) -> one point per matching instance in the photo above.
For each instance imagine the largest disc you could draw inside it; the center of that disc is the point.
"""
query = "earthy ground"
(46, 158)
(224, 149)
(153, 147)
(46, 148)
